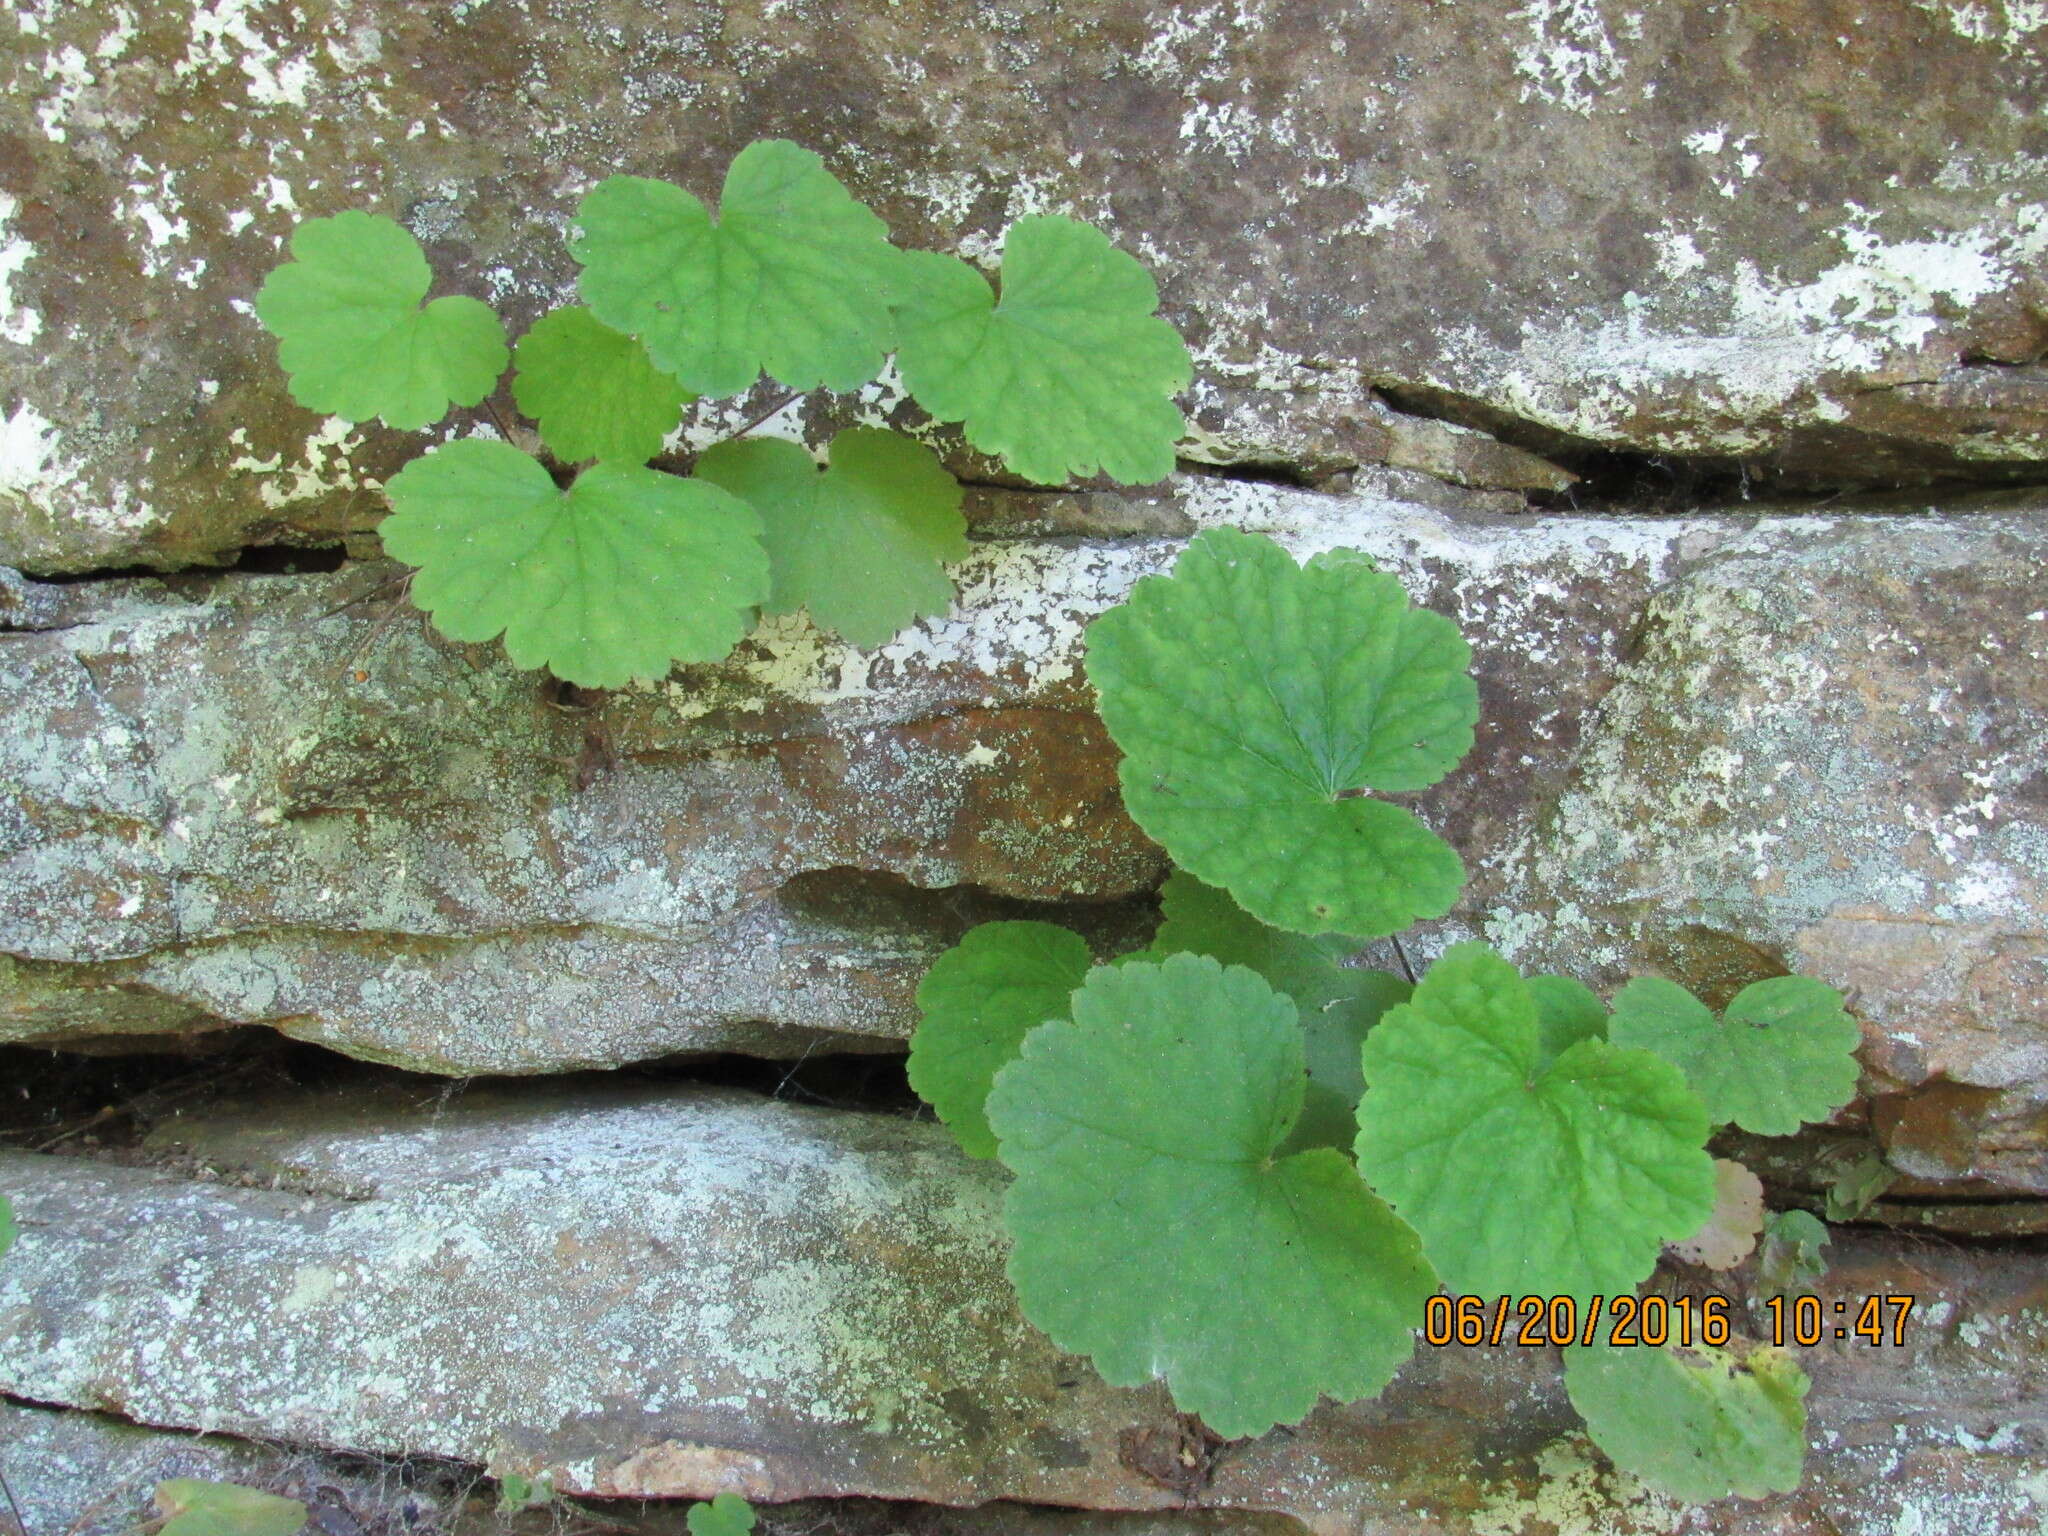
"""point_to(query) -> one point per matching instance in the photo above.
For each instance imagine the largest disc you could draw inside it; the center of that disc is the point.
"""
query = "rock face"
(1830, 760)
(1446, 270)
(278, 800)
(1711, 747)
(92, 1476)
(1678, 230)
(662, 1294)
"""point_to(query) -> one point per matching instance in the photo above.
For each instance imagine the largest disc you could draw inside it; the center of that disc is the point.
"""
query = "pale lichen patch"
(2011, 24)
(68, 74)
(1569, 58)
(223, 37)
(19, 323)
(153, 206)
(33, 463)
(322, 468)
(1779, 350)
(1576, 1494)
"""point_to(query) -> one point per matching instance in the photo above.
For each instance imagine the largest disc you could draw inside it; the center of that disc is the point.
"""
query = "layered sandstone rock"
(1446, 271)
(656, 1293)
(1798, 236)
(1711, 747)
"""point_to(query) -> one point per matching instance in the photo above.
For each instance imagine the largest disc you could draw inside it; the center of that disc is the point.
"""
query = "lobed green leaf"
(1255, 700)
(1695, 1425)
(793, 277)
(1567, 1012)
(861, 544)
(1337, 1003)
(620, 576)
(978, 1002)
(594, 391)
(1156, 1230)
(1783, 1052)
(1526, 1178)
(353, 336)
(1071, 372)
(1855, 1180)
(1793, 1254)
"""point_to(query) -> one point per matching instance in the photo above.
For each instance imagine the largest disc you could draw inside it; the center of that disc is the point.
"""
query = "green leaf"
(595, 392)
(726, 1515)
(1526, 1179)
(1694, 1428)
(1255, 699)
(794, 277)
(1782, 1054)
(1567, 1012)
(1337, 1003)
(979, 1000)
(196, 1507)
(517, 1492)
(7, 1227)
(1854, 1181)
(1792, 1257)
(862, 544)
(1071, 372)
(353, 337)
(1155, 1230)
(620, 576)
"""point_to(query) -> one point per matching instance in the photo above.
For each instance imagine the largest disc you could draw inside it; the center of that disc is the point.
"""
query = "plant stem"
(19, 1523)
(504, 429)
(761, 416)
(1402, 954)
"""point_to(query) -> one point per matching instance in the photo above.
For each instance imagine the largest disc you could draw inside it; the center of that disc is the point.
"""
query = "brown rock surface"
(88, 1474)
(1427, 258)
(1802, 234)
(271, 800)
(1815, 749)
(663, 1293)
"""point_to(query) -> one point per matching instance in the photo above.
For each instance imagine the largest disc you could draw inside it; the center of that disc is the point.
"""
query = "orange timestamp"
(1622, 1322)
(1530, 1322)
(1806, 1320)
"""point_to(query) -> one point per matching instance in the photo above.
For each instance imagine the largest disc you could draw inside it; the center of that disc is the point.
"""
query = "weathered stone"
(284, 800)
(409, 851)
(1829, 760)
(669, 1294)
(1678, 229)
(87, 1475)
(1341, 425)
(828, 961)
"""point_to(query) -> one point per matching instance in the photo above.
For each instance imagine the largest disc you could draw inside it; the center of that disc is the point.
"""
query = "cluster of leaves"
(1242, 1165)
(628, 569)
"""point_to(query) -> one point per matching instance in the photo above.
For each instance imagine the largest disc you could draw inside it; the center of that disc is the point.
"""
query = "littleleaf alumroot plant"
(1240, 1164)
(1246, 1167)
(628, 570)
